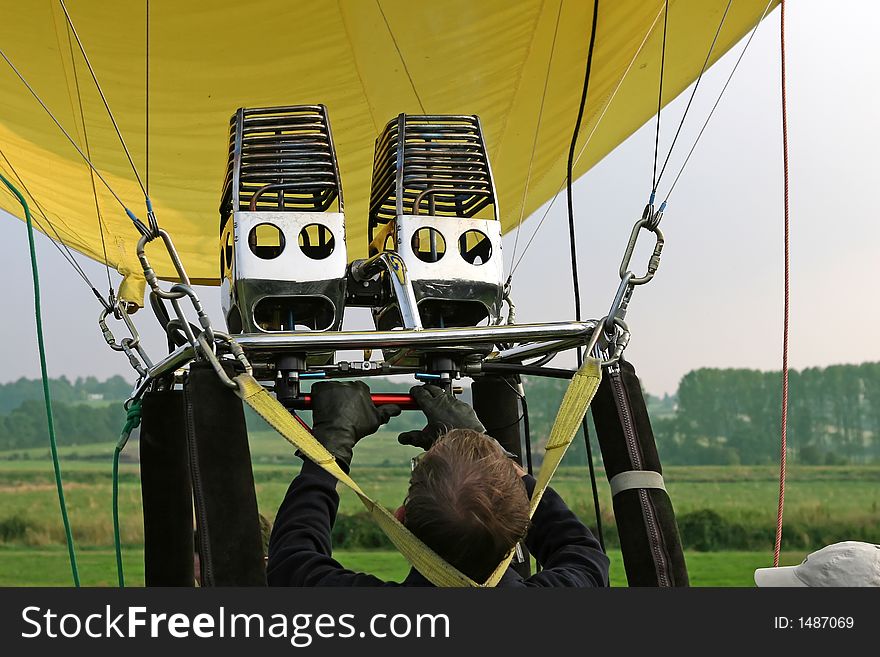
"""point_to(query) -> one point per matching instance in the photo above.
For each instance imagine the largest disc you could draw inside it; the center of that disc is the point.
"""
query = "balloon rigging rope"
(61, 127)
(696, 141)
(147, 102)
(617, 88)
(82, 117)
(58, 242)
(660, 94)
(690, 100)
(400, 55)
(787, 272)
(522, 208)
(132, 421)
(718, 100)
(572, 242)
(589, 137)
(607, 105)
(103, 97)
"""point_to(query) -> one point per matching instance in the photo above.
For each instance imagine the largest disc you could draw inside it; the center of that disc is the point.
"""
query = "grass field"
(843, 498)
(823, 505)
(97, 567)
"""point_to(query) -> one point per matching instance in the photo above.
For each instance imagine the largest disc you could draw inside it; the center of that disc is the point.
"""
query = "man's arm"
(300, 547)
(568, 552)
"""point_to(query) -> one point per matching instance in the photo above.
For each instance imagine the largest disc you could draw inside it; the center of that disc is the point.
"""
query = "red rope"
(777, 547)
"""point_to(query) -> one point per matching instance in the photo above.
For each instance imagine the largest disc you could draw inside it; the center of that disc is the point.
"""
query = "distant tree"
(717, 416)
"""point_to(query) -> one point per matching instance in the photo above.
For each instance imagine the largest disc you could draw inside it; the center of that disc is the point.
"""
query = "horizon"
(466, 380)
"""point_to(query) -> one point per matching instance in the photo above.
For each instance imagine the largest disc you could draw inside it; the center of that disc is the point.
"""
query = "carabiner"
(620, 302)
(620, 340)
(653, 262)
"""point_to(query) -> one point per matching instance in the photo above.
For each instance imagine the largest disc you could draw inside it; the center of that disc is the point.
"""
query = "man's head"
(467, 502)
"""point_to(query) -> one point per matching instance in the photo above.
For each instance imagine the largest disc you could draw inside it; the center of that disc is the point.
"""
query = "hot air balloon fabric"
(174, 71)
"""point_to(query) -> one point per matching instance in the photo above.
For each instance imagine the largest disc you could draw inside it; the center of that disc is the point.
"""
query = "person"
(849, 563)
(467, 501)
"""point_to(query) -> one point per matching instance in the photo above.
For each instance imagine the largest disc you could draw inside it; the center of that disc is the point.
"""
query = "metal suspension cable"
(400, 55)
(82, 118)
(101, 93)
(53, 445)
(572, 242)
(660, 95)
(147, 103)
(717, 102)
(617, 88)
(137, 222)
(522, 208)
(691, 99)
(58, 242)
(589, 137)
(786, 277)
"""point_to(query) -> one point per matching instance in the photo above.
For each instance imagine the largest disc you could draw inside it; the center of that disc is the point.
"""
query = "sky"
(717, 299)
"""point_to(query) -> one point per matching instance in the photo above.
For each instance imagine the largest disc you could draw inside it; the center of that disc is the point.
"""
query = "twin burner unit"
(432, 210)
(433, 278)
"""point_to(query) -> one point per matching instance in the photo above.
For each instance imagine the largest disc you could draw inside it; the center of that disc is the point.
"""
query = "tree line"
(717, 416)
(733, 416)
(15, 393)
(75, 424)
(85, 410)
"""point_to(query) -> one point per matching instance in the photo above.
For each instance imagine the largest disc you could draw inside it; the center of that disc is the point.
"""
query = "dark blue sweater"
(300, 548)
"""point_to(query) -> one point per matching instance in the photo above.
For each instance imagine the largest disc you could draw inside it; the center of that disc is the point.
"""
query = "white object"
(850, 563)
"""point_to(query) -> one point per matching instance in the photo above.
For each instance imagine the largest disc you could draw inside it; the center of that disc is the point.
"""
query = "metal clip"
(619, 339)
(654, 217)
(153, 280)
(131, 346)
(208, 352)
(620, 302)
(129, 349)
(151, 219)
(648, 223)
(140, 389)
(204, 320)
(207, 341)
(177, 291)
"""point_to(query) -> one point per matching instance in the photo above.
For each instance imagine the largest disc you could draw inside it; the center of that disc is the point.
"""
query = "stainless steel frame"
(536, 339)
(256, 344)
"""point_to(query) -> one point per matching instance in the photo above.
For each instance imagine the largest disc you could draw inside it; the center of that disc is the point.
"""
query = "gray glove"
(343, 413)
(444, 412)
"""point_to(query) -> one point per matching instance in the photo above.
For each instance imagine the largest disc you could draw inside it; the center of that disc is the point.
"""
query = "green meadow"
(726, 513)
(49, 566)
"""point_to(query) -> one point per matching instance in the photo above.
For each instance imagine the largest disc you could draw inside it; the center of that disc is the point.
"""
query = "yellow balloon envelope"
(366, 60)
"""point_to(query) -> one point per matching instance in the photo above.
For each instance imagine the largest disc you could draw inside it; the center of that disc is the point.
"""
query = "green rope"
(49, 416)
(132, 420)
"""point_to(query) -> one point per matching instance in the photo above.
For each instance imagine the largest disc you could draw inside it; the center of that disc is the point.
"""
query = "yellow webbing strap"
(577, 399)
